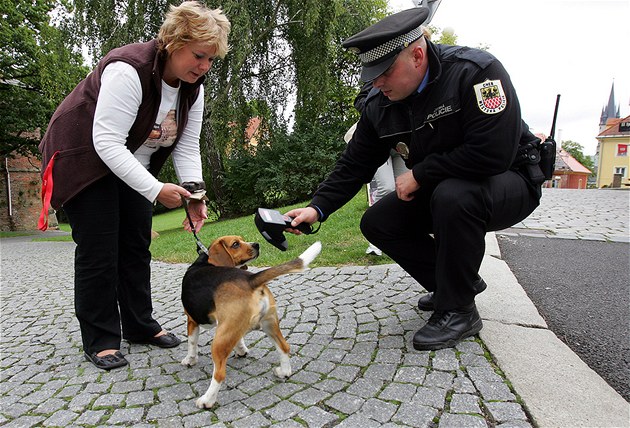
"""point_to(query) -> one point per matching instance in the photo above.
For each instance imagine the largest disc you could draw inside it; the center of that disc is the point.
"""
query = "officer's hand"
(302, 215)
(171, 195)
(406, 185)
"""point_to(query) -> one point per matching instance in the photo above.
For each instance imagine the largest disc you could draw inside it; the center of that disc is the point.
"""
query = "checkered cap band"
(390, 46)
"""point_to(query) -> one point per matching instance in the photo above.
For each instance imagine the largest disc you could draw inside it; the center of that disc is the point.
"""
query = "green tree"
(104, 25)
(444, 36)
(286, 66)
(37, 69)
(577, 151)
(286, 55)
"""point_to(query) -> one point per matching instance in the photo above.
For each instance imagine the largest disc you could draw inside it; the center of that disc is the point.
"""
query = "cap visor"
(369, 73)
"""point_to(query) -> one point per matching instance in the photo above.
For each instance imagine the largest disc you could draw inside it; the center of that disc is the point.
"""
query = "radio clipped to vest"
(539, 157)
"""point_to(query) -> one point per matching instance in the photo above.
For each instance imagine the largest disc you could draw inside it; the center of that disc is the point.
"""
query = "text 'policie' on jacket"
(69, 133)
(446, 132)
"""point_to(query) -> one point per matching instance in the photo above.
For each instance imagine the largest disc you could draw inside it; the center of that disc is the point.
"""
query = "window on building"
(620, 170)
(622, 150)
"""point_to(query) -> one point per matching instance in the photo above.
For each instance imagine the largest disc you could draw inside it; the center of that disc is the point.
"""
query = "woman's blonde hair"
(193, 22)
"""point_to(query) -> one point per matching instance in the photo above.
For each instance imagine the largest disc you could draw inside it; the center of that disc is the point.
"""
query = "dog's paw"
(240, 350)
(241, 354)
(282, 372)
(204, 403)
(189, 361)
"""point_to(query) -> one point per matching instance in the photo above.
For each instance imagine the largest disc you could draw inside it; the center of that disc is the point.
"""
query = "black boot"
(446, 329)
(425, 303)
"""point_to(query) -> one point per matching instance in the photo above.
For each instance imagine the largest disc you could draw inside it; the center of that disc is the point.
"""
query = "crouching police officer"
(453, 114)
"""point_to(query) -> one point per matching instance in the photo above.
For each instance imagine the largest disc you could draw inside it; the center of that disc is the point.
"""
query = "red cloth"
(47, 190)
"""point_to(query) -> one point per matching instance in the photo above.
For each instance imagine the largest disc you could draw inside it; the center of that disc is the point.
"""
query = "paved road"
(572, 258)
(582, 290)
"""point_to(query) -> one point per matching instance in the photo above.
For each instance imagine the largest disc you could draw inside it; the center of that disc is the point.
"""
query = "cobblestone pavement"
(349, 328)
(592, 214)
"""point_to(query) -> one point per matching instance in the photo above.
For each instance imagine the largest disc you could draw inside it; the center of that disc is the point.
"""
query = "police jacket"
(465, 124)
(69, 134)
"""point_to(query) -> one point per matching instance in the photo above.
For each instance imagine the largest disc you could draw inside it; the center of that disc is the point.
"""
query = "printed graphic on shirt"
(490, 96)
(163, 134)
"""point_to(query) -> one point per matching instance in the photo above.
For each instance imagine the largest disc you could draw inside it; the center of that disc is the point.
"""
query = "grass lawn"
(342, 241)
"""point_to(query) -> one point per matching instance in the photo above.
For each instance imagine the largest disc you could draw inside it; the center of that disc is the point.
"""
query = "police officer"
(453, 114)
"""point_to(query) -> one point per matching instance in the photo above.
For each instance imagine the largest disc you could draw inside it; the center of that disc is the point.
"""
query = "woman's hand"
(171, 195)
(198, 213)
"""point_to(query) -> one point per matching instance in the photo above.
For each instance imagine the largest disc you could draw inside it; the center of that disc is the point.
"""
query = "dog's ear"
(218, 255)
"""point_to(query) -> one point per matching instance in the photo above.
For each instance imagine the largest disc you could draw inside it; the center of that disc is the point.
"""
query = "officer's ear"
(418, 54)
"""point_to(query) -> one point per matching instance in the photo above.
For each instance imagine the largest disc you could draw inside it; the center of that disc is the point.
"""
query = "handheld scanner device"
(271, 225)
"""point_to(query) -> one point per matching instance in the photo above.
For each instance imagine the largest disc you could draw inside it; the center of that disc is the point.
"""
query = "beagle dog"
(218, 291)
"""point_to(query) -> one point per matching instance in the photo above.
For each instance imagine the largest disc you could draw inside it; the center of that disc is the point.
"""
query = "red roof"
(566, 162)
(252, 127)
(613, 127)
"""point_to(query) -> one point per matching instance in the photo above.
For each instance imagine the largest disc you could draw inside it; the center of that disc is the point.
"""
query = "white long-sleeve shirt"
(116, 109)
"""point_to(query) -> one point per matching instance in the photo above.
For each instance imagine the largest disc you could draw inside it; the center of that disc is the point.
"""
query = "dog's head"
(232, 251)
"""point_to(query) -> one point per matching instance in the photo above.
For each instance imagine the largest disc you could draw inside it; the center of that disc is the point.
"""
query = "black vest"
(69, 132)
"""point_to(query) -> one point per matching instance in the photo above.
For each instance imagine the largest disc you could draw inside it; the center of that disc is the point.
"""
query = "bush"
(282, 173)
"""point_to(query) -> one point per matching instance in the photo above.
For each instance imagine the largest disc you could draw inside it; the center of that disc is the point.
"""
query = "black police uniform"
(461, 135)
(463, 160)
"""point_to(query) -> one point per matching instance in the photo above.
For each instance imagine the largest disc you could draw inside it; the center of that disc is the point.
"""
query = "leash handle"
(200, 247)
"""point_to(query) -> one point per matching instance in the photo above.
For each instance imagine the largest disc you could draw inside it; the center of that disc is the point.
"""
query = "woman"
(103, 149)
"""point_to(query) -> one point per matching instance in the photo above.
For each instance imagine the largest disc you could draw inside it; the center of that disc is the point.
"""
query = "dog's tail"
(295, 265)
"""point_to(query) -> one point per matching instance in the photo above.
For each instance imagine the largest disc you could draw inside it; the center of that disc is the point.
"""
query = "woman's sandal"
(168, 340)
(107, 362)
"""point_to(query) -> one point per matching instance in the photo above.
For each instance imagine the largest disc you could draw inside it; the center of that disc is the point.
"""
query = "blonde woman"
(102, 152)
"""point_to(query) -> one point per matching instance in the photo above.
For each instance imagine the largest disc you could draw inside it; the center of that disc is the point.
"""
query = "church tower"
(609, 111)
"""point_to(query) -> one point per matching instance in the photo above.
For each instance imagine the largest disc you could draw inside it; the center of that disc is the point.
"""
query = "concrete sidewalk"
(557, 387)
(350, 330)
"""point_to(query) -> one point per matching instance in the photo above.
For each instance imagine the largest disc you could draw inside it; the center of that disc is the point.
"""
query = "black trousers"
(111, 225)
(439, 236)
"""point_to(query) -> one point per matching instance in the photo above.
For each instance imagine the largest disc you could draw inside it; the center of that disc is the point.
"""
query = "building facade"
(568, 173)
(613, 163)
(20, 190)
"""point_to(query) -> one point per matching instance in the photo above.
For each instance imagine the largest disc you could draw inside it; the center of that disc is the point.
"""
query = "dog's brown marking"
(231, 251)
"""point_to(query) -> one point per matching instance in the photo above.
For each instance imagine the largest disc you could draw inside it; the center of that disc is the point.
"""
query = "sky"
(575, 48)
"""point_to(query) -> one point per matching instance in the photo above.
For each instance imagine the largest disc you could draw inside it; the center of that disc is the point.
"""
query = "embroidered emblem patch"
(490, 96)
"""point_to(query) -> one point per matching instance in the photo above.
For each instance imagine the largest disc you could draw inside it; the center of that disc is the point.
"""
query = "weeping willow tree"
(38, 67)
(285, 67)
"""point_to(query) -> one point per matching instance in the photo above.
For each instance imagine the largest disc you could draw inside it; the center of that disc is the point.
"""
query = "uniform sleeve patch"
(490, 96)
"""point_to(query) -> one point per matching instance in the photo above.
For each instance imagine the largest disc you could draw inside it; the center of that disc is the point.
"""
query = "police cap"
(379, 45)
